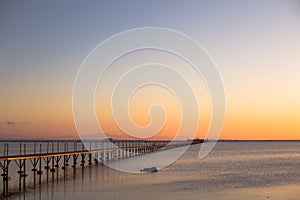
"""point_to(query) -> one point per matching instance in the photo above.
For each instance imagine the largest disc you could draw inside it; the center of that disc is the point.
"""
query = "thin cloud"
(10, 123)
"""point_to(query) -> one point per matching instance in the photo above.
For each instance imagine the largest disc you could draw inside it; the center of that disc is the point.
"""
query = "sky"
(254, 44)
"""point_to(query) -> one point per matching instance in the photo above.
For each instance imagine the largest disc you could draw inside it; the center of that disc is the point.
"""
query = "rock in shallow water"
(150, 169)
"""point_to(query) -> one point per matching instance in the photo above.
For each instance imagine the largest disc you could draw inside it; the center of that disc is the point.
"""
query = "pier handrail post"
(7, 150)
(4, 149)
(47, 147)
(20, 148)
(40, 165)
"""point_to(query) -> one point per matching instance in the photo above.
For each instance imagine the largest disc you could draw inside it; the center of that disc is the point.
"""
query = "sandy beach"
(275, 193)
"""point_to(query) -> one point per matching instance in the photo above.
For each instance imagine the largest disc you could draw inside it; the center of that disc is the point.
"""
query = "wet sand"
(151, 193)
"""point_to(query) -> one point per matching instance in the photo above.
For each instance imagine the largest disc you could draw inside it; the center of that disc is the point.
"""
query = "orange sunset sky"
(256, 50)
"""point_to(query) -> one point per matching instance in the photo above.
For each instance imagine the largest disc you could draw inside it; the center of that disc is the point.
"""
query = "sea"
(233, 170)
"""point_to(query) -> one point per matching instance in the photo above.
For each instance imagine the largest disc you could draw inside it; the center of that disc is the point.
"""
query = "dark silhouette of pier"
(50, 157)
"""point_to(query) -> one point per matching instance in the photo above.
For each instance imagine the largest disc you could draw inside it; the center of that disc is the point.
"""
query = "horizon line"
(206, 140)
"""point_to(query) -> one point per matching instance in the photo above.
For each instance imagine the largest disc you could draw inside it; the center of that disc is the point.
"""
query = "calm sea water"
(231, 166)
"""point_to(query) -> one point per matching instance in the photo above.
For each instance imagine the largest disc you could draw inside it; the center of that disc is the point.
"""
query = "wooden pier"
(48, 157)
